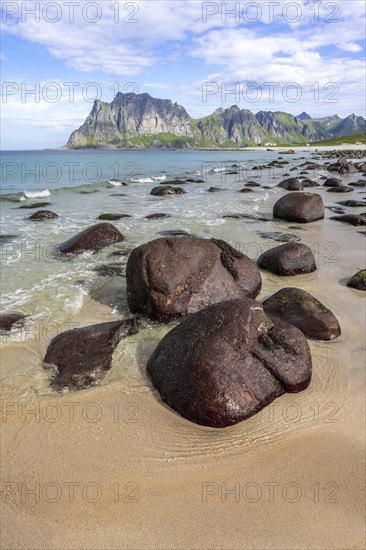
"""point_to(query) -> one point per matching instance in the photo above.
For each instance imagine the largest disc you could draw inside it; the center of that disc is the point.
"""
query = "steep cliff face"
(139, 120)
(131, 115)
(142, 114)
(287, 127)
(233, 126)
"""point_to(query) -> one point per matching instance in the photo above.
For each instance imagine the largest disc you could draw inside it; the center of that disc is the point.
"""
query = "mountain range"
(141, 121)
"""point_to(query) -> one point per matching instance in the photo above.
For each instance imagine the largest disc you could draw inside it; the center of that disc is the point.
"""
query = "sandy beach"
(112, 467)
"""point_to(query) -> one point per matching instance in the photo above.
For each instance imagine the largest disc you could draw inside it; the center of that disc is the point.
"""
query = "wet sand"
(112, 467)
(290, 477)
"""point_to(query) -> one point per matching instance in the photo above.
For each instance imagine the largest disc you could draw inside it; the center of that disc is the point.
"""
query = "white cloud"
(169, 31)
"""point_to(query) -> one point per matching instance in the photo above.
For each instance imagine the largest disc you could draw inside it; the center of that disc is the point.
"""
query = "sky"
(58, 57)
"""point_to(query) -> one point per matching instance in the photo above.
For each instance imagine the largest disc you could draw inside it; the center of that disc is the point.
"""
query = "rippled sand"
(112, 467)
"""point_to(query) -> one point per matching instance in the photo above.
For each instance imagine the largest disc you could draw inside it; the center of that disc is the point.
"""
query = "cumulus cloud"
(147, 41)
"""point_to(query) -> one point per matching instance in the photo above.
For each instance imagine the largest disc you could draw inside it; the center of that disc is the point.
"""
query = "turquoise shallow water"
(31, 171)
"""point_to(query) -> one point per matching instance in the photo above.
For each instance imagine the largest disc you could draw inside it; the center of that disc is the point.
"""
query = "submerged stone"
(82, 356)
(93, 238)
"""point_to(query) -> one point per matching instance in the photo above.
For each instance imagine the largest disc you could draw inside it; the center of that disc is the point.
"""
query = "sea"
(141, 475)
(81, 185)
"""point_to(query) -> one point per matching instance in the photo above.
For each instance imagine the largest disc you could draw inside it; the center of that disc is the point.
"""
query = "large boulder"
(288, 259)
(173, 277)
(82, 356)
(358, 280)
(299, 207)
(228, 361)
(93, 238)
(305, 312)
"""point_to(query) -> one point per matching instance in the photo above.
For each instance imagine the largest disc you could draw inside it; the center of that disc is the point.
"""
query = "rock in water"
(7, 238)
(299, 207)
(43, 215)
(10, 320)
(340, 189)
(291, 184)
(352, 219)
(93, 238)
(352, 204)
(288, 259)
(336, 209)
(228, 361)
(157, 216)
(358, 280)
(309, 183)
(83, 355)
(281, 237)
(333, 182)
(173, 277)
(112, 217)
(252, 184)
(174, 233)
(305, 312)
(35, 205)
(166, 190)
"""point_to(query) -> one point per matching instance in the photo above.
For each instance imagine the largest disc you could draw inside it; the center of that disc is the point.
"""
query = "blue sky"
(290, 56)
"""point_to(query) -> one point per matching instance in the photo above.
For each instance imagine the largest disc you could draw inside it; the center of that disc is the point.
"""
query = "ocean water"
(119, 434)
(81, 185)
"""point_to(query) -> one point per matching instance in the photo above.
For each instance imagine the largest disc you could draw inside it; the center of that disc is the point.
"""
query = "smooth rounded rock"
(93, 238)
(288, 259)
(166, 190)
(291, 184)
(228, 361)
(299, 207)
(305, 312)
(112, 217)
(340, 189)
(333, 182)
(173, 277)
(43, 215)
